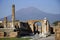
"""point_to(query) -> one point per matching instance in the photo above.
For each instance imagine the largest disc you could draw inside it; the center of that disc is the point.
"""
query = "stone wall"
(13, 34)
(57, 33)
(8, 34)
(1, 34)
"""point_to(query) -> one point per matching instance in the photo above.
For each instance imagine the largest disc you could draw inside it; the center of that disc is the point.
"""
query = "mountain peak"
(34, 13)
(31, 8)
(28, 10)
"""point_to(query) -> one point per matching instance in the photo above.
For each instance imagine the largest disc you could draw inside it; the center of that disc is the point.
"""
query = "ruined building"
(15, 27)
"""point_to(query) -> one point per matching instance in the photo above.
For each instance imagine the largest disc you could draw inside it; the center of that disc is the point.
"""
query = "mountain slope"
(34, 13)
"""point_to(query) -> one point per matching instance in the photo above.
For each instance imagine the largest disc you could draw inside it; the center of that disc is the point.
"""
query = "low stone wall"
(8, 34)
(6, 29)
(13, 34)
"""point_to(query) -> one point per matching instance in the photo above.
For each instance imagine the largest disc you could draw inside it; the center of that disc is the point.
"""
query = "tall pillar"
(44, 28)
(13, 16)
(45, 25)
(5, 22)
(48, 26)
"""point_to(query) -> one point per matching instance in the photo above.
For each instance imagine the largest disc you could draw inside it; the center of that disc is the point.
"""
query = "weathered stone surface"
(57, 32)
(13, 34)
(1, 34)
(6, 29)
(51, 37)
(44, 26)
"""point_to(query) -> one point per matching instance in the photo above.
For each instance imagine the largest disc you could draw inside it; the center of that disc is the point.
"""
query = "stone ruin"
(13, 28)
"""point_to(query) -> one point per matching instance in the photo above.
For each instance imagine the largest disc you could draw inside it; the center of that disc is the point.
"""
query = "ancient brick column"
(13, 15)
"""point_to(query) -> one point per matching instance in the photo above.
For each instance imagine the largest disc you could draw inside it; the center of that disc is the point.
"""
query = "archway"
(37, 27)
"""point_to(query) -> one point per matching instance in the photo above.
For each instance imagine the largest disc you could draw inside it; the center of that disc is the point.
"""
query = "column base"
(44, 34)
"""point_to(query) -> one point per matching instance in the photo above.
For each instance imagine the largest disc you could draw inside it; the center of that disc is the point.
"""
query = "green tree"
(55, 23)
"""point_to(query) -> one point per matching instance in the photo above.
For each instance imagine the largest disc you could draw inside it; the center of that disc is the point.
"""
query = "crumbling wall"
(1, 34)
(57, 33)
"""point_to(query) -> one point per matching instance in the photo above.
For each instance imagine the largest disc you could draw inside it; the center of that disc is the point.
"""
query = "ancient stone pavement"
(36, 37)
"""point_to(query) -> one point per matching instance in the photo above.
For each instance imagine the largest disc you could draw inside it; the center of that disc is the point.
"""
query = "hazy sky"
(48, 6)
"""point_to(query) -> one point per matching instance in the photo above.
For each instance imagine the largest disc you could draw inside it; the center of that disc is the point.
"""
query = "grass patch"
(14, 38)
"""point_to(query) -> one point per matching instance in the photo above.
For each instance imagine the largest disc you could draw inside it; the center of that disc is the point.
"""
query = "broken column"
(5, 22)
(45, 25)
(45, 32)
(13, 16)
(48, 28)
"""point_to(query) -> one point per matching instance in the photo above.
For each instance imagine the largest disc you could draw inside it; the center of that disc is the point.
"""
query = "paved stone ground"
(52, 37)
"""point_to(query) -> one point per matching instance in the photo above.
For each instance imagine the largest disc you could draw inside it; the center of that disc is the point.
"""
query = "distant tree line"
(55, 23)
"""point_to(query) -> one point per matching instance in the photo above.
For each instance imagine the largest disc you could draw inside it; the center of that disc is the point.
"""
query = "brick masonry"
(57, 33)
(8, 34)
